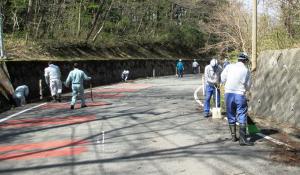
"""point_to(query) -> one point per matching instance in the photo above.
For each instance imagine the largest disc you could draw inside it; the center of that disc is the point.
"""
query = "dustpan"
(216, 112)
(251, 126)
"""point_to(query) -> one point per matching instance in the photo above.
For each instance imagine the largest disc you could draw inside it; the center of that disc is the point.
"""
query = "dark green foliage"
(100, 22)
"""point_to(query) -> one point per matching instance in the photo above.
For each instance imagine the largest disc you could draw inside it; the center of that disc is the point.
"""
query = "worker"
(180, 68)
(212, 79)
(237, 81)
(226, 63)
(20, 95)
(52, 78)
(76, 78)
(124, 75)
(195, 66)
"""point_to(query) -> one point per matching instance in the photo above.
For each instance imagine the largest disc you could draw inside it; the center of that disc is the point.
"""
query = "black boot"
(54, 99)
(243, 138)
(59, 98)
(232, 128)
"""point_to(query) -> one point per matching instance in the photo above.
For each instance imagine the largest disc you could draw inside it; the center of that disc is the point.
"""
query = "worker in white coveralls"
(195, 66)
(212, 78)
(124, 75)
(52, 78)
(237, 79)
(76, 78)
(20, 95)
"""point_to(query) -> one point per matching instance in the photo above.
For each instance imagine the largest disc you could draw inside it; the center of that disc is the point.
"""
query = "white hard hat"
(180, 60)
(194, 59)
(213, 62)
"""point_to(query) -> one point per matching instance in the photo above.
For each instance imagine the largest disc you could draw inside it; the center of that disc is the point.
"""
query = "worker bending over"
(20, 95)
(52, 78)
(124, 75)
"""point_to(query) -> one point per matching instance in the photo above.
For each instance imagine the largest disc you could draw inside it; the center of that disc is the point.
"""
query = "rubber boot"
(243, 138)
(232, 128)
(59, 98)
(54, 98)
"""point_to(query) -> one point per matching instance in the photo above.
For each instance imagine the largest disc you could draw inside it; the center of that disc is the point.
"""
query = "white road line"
(270, 138)
(196, 96)
(21, 112)
(274, 140)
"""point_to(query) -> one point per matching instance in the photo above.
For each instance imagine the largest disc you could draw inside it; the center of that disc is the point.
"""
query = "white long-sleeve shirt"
(21, 91)
(52, 72)
(212, 76)
(195, 64)
(237, 78)
(77, 76)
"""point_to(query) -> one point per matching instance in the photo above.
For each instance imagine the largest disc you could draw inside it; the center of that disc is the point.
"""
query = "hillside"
(85, 51)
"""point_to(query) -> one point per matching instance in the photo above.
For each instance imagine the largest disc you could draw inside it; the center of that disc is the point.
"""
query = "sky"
(261, 7)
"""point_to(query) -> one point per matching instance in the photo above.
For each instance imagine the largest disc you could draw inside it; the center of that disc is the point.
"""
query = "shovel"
(216, 112)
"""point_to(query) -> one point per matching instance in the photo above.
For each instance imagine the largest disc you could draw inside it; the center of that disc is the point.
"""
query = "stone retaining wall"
(275, 93)
(102, 72)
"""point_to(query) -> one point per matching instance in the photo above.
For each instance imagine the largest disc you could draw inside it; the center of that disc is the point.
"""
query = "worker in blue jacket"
(76, 78)
(180, 68)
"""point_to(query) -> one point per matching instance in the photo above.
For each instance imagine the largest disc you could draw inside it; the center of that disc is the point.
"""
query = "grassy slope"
(18, 50)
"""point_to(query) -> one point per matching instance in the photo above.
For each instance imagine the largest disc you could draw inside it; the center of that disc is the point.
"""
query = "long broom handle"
(216, 97)
(91, 89)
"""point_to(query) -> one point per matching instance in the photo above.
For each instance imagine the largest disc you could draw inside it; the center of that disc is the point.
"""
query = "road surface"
(148, 126)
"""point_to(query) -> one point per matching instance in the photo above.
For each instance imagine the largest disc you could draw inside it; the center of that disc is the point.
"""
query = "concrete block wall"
(275, 92)
(102, 72)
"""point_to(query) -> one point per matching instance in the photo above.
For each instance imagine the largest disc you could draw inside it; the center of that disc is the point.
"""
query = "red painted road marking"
(47, 121)
(132, 86)
(124, 87)
(67, 105)
(41, 145)
(92, 104)
(43, 149)
(106, 96)
(44, 154)
(115, 90)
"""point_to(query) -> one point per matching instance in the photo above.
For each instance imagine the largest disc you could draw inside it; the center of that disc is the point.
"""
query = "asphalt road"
(143, 127)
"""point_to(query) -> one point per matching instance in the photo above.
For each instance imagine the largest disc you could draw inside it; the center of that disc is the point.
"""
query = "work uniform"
(180, 69)
(124, 75)
(195, 67)
(76, 77)
(237, 81)
(52, 78)
(20, 95)
(226, 63)
(212, 79)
